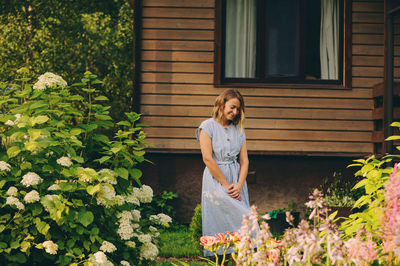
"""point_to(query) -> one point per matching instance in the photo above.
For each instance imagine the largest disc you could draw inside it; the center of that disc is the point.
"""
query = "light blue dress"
(220, 212)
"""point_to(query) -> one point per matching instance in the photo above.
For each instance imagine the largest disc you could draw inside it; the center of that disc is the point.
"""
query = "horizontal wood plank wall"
(177, 91)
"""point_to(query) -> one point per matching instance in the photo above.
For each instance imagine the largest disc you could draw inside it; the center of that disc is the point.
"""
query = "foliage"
(195, 227)
(162, 203)
(339, 192)
(375, 173)
(69, 193)
(69, 38)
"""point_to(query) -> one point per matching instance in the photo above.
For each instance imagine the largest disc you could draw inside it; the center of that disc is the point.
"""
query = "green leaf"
(393, 138)
(101, 98)
(2, 227)
(15, 244)
(37, 209)
(103, 159)
(135, 173)
(40, 119)
(395, 124)
(34, 133)
(31, 146)
(25, 165)
(13, 151)
(85, 217)
(70, 243)
(122, 172)
(115, 149)
(124, 123)
(103, 117)
(2, 183)
(42, 227)
(93, 189)
(3, 245)
(77, 159)
(75, 131)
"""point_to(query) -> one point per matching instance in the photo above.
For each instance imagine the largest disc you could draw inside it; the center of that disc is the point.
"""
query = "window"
(282, 42)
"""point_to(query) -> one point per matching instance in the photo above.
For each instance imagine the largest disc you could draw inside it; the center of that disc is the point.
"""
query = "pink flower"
(208, 241)
(391, 212)
(222, 239)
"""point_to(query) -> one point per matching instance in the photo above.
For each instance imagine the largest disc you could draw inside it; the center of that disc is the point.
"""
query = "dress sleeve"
(242, 137)
(207, 127)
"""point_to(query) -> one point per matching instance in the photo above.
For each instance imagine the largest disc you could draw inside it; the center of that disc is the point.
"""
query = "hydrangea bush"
(70, 191)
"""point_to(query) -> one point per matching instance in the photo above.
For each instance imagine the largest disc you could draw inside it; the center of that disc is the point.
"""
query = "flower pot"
(278, 225)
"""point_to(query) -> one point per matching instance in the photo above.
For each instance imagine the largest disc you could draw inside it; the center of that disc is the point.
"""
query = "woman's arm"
(244, 164)
(206, 151)
(236, 189)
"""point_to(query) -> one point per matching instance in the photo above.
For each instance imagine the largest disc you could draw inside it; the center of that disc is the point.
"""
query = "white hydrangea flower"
(32, 196)
(132, 199)
(100, 257)
(164, 218)
(119, 200)
(64, 161)
(160, 218)
(108, 247)
(50, 247)
(148, 251)
(9, 123)
(145, 238)
(31, 179)
(125, 216)
(105, 196)
(5, 166)
(136, 215)
(49, 79)
(15, 201)
(108, 176)
(54, 187)
(125, 263)
(130, 244)
(12, 191)
(144, 194)
(125, 230)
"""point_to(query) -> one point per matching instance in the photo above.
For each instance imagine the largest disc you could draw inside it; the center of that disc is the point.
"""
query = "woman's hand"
(235, 191)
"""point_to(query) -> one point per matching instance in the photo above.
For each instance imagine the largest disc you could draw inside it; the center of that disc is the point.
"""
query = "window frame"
(345, 69)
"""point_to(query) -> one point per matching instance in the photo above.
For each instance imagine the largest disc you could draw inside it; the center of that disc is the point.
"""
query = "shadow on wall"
(273, 181)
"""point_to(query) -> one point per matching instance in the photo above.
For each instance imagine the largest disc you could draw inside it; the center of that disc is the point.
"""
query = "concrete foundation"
(273, 181)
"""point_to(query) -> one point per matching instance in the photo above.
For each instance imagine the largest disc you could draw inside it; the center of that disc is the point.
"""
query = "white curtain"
(240, 41)
(329, 42)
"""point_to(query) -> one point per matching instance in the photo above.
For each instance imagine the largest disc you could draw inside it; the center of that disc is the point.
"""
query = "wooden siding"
(177, 91)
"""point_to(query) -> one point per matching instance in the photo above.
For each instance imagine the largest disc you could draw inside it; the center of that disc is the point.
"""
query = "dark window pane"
(281, 38)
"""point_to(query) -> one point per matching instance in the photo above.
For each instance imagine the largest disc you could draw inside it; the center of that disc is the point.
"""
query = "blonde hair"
(219, 105)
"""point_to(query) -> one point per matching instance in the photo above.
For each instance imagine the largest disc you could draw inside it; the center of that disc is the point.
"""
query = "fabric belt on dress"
(226, 162)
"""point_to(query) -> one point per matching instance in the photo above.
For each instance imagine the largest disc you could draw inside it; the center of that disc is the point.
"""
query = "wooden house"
(306, 68)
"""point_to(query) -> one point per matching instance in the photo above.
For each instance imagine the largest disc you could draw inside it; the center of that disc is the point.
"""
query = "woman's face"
(231, 109)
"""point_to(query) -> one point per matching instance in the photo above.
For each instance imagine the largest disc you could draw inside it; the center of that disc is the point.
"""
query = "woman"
(224, 198)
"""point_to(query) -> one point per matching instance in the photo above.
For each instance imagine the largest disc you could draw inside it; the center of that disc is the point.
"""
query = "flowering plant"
(69, 193)
(219, 242)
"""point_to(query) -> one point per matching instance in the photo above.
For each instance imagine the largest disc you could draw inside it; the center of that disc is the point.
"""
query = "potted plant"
(278, 220)
(339, 194)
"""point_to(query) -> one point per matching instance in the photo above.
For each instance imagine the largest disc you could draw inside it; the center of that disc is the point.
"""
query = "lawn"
(176, 245)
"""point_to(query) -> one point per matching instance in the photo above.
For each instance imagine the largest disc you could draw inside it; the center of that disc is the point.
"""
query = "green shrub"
(195, 227)
(69, 193)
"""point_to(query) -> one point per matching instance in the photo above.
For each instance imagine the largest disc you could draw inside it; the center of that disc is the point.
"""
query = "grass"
(176, 245)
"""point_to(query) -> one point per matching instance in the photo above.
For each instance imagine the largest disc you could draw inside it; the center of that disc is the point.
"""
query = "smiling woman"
(223, 142)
